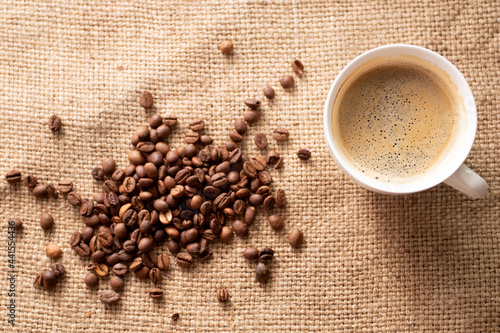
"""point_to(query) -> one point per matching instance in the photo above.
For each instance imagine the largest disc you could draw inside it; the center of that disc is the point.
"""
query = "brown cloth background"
(371, 263)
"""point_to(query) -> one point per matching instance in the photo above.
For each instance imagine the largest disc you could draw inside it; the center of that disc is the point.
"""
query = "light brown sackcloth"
(370, 262)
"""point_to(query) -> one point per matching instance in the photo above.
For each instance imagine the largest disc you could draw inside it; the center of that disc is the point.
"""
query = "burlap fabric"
(370, 263)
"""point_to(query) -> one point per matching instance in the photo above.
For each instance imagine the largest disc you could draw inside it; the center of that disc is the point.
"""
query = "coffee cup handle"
(468, 182)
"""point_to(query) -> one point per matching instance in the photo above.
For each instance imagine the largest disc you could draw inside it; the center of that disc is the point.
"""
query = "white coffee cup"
(450, 169)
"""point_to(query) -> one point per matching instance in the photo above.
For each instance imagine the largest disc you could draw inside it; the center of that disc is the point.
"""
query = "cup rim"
(444, 171)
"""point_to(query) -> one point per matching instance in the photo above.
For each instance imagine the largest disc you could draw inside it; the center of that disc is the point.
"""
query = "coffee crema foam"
(395, 120)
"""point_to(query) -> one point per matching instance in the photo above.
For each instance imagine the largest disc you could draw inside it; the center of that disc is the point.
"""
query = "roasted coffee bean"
(145, 245)
(129, 246)
(192, 137)
(269, 203)
(38, 283)
(298, 67)
(30, 181)
(205, 254)
(13, 176)
(235, 136)
(184, 260)
(170, 120)
(40, 191)
(262, 272)
(269, 92)
(135, 264)
(243, 193)
(265, 177)
(146, 147)
(163, 132)
(52, 191)
(261, 141)
(226, 47)
(75, 238)
(239, 207)
(82, 250)
(155, 275)
(58, 269)
(49, 280)
(197, 125)
(108, 165)
(163, 262)
(266, 254)
(188, 236)
(226, 234)
(94, 244)
(87, 234)
(97, 173)
(155, 121)
(136, 158)
(264, 190)
(252, 103)
(65, 186)
(91, 280)
(251, 116)
(222, 295)
(109, 297)
(249, 169)
(112, 259)
(304, 154)
(54, 123)
(74, 199)
(46, 221)
(239, 228)
(18, 224)
(105, 239)
(87, 207)
(296, 238)
(255, 184)
(146, 99)
(146, 227)
(116, 283)
(173, 246)
(142, 273)
(281, 134)
(120, 269)
(256, 199)
(156, 293)
(250, 214)
(287, 81)
(251, 253)
(240, 126)
(98, 257)
(102, 270)
(280, 197)
(273, 158)
(235, 156)
(258, 162)
(110, 186)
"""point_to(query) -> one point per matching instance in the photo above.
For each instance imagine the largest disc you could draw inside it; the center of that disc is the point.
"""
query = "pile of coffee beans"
(48, 279)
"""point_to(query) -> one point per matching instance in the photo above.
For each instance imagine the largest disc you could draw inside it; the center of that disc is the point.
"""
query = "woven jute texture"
(370, 263)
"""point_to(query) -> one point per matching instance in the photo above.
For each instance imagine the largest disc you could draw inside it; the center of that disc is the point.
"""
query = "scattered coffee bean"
(16, 223)
(251, 253)
(235, 136)
(287, 81)
(54, 123)
(155, 275)
(53, 251)
(261, 141)
(40, 191)
(58, 269)
(175, 317)
(82, 249)
(184, 260)
(49, 280)
(108, 165)
(65, 186)
(74, 199)
(109, 297)
(298, 67)
(197, 125)
(101, 269)
(156, 293)
(240, 125)
(262, 272)
(46, 221)
(170, 120)
(163, 262)
(276, 222)
(269, 92)
(281, 134)
(251, 116)
(30, 181)
(296, 238)
(155, 121)
(252, 103)
(97, 173)
(240, 228)
(13, 176)
(266, 254)
(192, 137)
(273, 158)
(222, 295)
(116, 283)
(304, 154)
(91, 280)
(226, 47)
(146, 99)
(52, 191)
(280, 197)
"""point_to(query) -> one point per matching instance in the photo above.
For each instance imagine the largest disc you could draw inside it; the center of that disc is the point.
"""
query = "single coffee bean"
(251, 254)
(222, 295)
(163, 262)
(102, 270)
(170, 120)
(38, 283)
(155, 121)
(273, 158)
(54, 123)
(97, 173)
(269, 92)
(82, 249)
(234, 156)
(156, 293)
(136, 158)
(74, 199)
(206, 140)
(146, 99)
(13, 176)
(252, 103)
(108, 165)
(109, 297)
(251, 116)
(173, 246)
(53, 251)
(145, 245)
(281, 134)
(116, 283)
(262, 272)
(192, 137)
(226, 234)
(87, 207)
(65, 186)
(91, 280)
(298, 67)
(296, 238)
(98, 256)
(197, 125)
(240, 125)
(280, 197)
(175, 317)
(46, 221)
(287, 81)
(265, 177)
(235, 136)
(240, 228)
(261, 141)
(49, 280)
(58, 269)
(155, 275)
(269, 203)
(52, 191)
(142, 273)
(40, 191)
(135, 264)
(30, 181)
(17, 223)
(226, 47)
(120, 269)
(304, 154)
(250, 214)
(184, 260)
(266, 254)
(256, 199)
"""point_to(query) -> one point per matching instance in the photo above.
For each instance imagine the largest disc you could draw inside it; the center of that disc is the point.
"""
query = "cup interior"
(452, 159)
